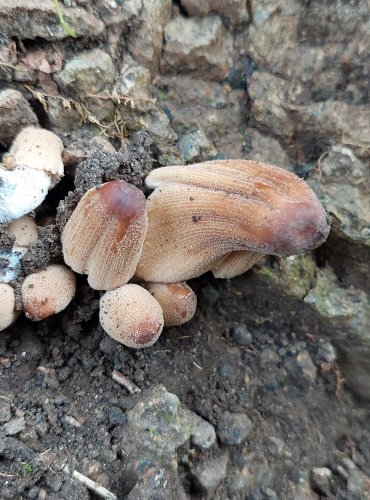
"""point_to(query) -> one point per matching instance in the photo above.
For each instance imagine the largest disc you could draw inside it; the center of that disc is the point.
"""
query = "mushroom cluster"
(220, 216)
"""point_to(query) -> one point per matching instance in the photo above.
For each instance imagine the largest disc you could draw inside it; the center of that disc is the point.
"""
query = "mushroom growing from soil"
(7, 306)
(222, 216)
(131, 315)
(48, 291)
(104, 236)
(178, 301)
(32, 166)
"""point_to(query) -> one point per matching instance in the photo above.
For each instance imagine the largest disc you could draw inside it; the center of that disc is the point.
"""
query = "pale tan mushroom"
(7, 304)
(24, 230)
(178, 301)
(131, 316)
(204, 217)
(105, 234)
(48, 291)
(32, 166)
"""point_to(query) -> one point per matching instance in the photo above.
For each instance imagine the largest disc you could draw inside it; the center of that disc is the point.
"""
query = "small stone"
(242, 335)
(116, 416)
(275, 446)
(211, 472)
(320, 479)
(15, 113)
(233, 428)
(5, 413)
(204, 436)
(306, 364)
(61, 399)
(327, 352)
(195, 146)
(14, 426)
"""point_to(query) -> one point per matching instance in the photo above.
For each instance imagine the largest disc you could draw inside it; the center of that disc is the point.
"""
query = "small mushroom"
(131, 315)
(7, 306)
(32, 166)
(218, 215)
(105, 234)
(24, 230)
(178, 301)
(48, 291)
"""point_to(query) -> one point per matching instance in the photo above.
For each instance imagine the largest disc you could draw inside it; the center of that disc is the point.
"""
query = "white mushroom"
(7, 304)
(32, 166)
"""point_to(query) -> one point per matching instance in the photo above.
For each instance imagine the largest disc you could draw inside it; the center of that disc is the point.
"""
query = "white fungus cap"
(7, 303)
(32, 166)
(48, 292)
(131, 316)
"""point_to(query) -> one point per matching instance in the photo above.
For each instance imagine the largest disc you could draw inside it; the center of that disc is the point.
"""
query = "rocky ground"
(265, 393)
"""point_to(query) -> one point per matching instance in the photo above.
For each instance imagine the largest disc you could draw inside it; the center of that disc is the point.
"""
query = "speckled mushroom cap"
(201, 214)
(24, 230)
(7, 303)
(131, 316)
(48, 291)
(105, 234)
(178, 301)
(39, 149)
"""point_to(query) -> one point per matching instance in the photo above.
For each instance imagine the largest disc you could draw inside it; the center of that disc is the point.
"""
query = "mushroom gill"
(217, 215)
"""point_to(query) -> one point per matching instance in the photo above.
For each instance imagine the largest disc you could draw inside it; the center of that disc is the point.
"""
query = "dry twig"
(121, 379)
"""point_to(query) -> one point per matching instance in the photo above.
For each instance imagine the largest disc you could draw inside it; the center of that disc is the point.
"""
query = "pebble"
(204, 436)
(320, 479)
(233, 428)
(211, 472)
(242, 336)
(14, 426)
(5, 413)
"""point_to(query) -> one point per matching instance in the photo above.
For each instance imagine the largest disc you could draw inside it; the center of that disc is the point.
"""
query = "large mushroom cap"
(48, 292)
(131, 316)
(105, 234)
(200, 214)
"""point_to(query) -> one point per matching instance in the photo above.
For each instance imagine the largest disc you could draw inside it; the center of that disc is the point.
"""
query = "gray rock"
(161, 424)
(242, 336)
(157, 483)
(348, 202)
(90, 72)
(305, 362)
(38, 18)
(145, 44)
(14, 426)
(201, 46)
(264, 148)
(346, 312)
(235, 11)
(211, 472)
(15, 113)
(195, 146)
(320, 479)
(204, 436)
(5, 413)
(233, 428)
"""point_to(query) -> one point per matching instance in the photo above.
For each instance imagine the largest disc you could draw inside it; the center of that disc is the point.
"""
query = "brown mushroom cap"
(48, 292)
(201, 213)
(7, 304)
(105, 234)
(131, 316)
(178, 301)
(24, 230)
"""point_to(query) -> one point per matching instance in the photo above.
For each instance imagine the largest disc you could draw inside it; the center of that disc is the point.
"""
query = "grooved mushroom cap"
(131, 316)
(204, 213)
(105, 234)
(177, 300)
(7, 303)
(39, 149)
(48, 292)
(24, 230)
